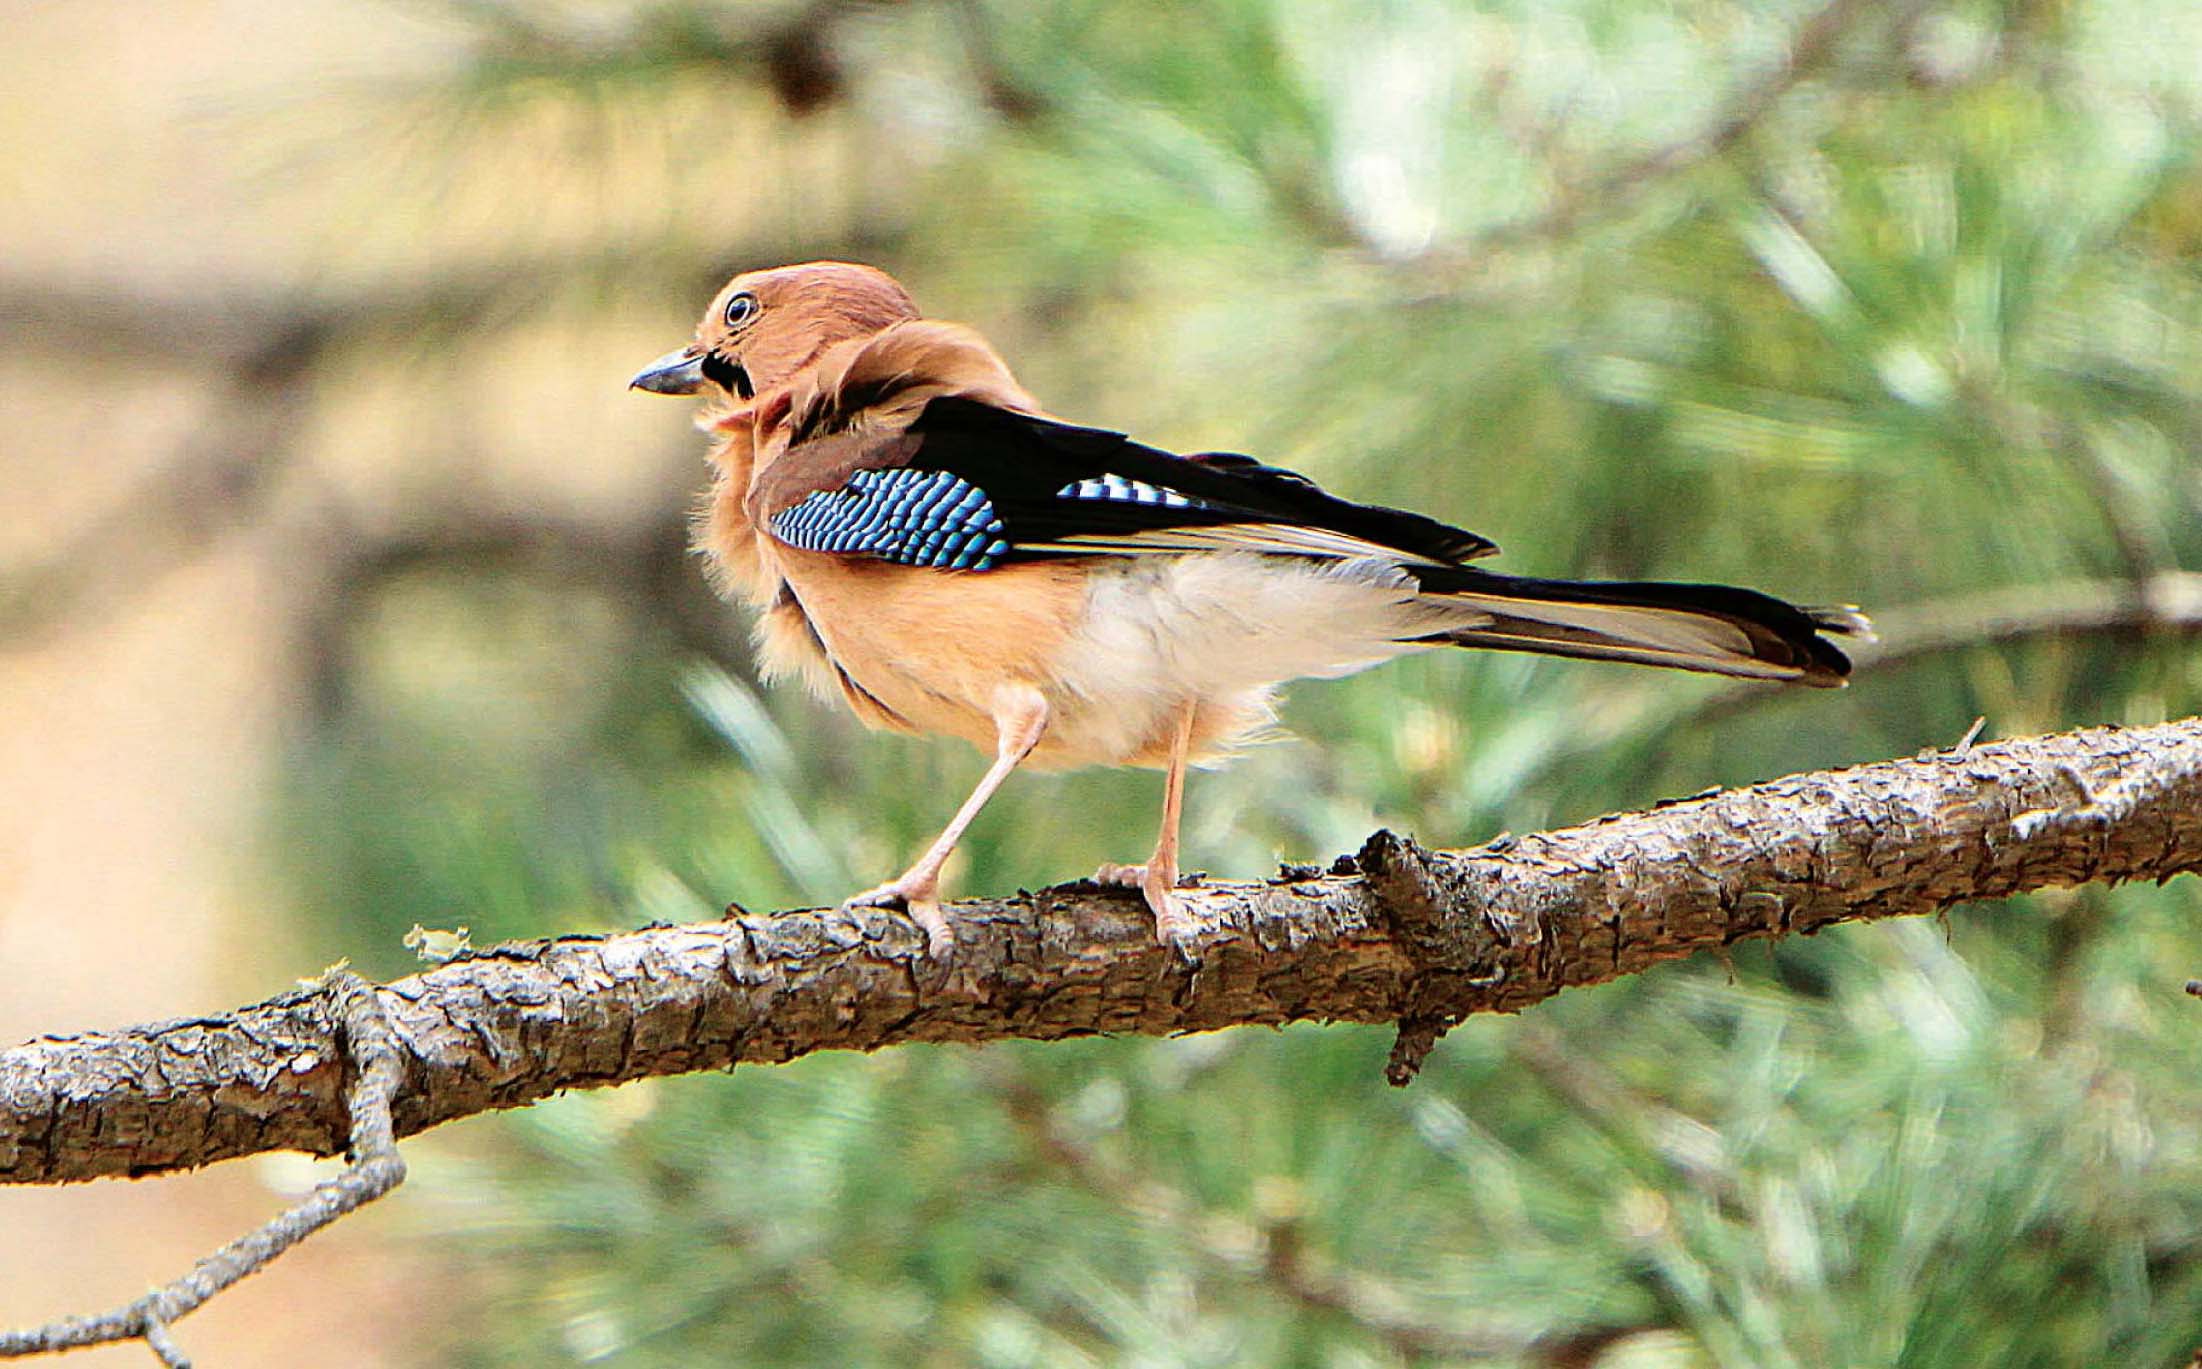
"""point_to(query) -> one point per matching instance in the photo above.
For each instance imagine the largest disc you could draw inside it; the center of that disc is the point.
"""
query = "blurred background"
(345, 589)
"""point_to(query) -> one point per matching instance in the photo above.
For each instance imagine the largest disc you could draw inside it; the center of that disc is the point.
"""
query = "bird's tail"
(1716, 628)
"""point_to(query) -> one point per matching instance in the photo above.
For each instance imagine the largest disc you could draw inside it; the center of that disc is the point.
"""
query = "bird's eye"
(741, 309)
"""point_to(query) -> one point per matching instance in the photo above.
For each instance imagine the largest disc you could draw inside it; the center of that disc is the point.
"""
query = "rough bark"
(376, 1168)
(1401, 935)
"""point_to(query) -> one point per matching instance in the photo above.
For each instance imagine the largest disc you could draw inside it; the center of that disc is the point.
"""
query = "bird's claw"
(921, 901)
(1181, 923)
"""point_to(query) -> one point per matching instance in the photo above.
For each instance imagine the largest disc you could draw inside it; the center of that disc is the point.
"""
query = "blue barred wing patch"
(914, 517)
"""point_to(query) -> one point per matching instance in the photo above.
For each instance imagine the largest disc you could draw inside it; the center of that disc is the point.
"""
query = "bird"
(925, 542)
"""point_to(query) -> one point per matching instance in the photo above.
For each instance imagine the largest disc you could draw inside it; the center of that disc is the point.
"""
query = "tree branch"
(1399, 934)
(1422, 939)
(376, 1168)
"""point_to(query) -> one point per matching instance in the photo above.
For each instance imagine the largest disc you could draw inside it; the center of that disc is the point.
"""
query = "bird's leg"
(1019, 719)
(1176, 922)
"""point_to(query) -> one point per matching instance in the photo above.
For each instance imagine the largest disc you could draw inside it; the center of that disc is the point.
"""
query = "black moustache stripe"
(728, 375)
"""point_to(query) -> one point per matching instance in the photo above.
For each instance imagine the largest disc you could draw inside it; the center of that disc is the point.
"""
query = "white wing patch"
(1117, 488)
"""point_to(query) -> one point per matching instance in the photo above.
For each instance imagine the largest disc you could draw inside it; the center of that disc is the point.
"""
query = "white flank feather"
(1223, 628)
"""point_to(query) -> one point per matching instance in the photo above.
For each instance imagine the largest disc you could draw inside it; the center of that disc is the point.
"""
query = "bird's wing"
(970, 485)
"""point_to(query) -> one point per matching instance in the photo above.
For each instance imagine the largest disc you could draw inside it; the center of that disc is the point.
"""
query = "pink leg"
(1175, 921)
(1019, 719)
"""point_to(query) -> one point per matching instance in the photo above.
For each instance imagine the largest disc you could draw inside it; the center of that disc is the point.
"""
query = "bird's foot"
(920, 898)
(1181, 920)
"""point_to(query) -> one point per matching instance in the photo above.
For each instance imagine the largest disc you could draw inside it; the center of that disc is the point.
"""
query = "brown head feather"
(795, 313)
(884, 381)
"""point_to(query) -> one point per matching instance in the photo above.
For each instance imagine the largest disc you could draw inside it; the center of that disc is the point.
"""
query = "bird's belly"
(1220, 630)
(1117, 645)
(935, 648)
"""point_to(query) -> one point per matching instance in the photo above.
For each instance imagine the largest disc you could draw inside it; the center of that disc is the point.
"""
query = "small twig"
(789, 49)
(163, 1345)
(2081, 917)
(224, 471)
(2139, 549)
(264, 352)
(1603, 1097)
(1271, 1248)
(1613, 190)
(1007, 94)
(371, 1049)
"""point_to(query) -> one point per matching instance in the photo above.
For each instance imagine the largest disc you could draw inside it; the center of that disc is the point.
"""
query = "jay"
(926, 542)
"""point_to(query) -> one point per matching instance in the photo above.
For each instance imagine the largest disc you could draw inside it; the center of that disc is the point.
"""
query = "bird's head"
(765, 327)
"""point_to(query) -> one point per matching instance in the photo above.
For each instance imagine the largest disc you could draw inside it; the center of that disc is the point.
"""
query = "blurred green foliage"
(1620, 284)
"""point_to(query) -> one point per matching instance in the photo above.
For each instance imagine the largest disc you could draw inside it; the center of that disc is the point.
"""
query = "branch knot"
(1449, 958)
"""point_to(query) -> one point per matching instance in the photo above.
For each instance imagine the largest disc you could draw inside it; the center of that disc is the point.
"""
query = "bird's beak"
(675, 373)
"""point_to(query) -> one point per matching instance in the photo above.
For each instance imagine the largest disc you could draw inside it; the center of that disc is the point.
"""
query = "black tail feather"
(1717, 628)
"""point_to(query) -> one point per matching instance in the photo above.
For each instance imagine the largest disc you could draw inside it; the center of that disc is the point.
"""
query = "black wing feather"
(1027, 464)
